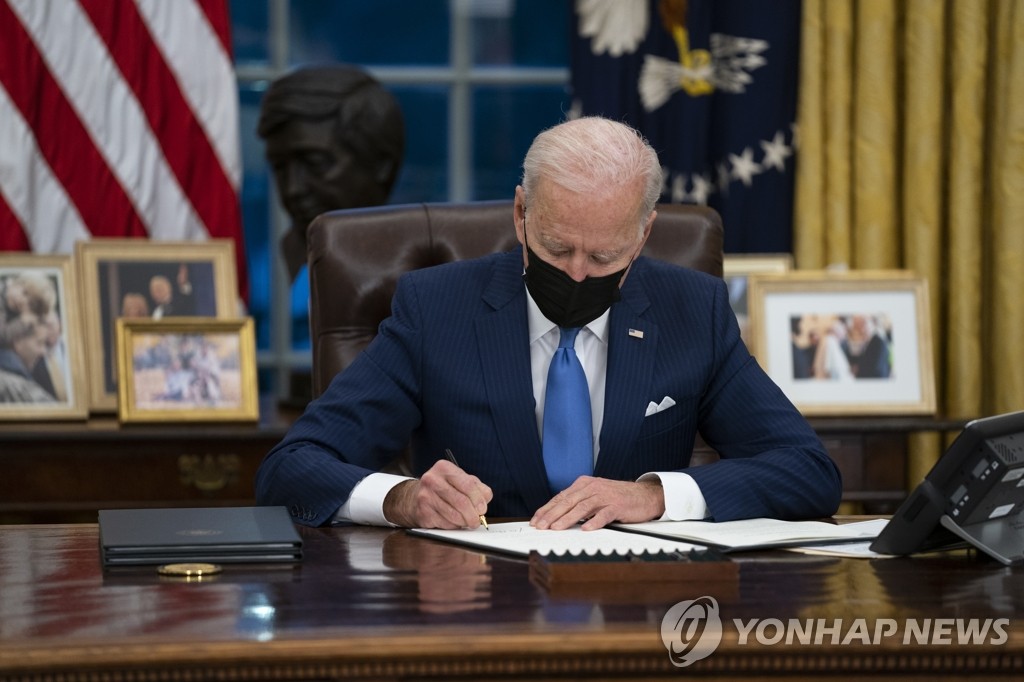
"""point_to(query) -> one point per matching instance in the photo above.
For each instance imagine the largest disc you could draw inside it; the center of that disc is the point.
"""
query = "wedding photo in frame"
(186, 369)
(737, 270)
(42, 368)
(143, 279)
(846, 344)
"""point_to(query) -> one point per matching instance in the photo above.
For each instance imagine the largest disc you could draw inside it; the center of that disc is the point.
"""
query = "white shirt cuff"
(683, 499)
(366, 503)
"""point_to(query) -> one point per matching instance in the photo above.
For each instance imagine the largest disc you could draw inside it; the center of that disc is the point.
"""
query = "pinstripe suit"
(451, 369)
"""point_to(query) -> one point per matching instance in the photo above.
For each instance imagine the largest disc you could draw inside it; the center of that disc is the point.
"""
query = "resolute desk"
(379, 604)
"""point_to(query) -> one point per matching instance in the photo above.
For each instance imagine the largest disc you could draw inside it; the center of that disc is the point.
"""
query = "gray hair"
(590, 154)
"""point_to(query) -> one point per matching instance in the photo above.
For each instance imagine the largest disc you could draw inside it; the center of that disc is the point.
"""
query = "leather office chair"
(356, 256)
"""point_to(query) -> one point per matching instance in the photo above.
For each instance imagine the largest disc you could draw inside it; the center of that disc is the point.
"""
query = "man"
(866, 350)
(22, 346)
(34, 295)
(335, 139)
(169, 301)
(463, 365)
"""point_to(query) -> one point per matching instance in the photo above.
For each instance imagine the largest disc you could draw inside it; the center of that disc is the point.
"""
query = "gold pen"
(451, 458)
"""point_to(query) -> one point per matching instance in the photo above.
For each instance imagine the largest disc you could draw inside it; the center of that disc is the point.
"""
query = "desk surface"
(374, 603)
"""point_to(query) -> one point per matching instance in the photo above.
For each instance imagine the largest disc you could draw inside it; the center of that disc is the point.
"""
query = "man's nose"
(295, 179)
(578, 268)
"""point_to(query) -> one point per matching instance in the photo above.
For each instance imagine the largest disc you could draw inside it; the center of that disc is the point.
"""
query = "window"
(476, 80)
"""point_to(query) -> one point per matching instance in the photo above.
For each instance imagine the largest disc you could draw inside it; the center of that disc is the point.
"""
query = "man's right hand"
(444, 497)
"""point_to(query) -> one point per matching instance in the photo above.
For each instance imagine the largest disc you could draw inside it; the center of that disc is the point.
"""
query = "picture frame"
(737, 270)
(117, 277)
(186, 369)
(846, 344)
(42, 368)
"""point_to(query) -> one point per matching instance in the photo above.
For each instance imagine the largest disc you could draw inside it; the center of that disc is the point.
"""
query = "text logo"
(691, 630)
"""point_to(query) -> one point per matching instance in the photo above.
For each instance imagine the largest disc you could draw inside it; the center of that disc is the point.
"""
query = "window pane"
(506, 120)
(249, 33)
(380, 32)
(520, 32)
(255, 211)
(424, 174)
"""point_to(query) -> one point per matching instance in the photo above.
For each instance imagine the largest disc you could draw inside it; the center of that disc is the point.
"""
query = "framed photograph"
(855, 343)
(187, 369)
(737, 269)
(42, 371)
(142, 279)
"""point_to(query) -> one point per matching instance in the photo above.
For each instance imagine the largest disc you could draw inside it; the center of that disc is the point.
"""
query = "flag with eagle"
(712, 84)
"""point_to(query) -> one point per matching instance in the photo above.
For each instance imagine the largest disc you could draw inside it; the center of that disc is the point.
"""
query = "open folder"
(132, 537)
(519, 538)
(751, 534)
(656, 537)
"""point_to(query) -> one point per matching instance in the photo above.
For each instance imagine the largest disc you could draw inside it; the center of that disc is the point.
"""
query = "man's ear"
(519, 213)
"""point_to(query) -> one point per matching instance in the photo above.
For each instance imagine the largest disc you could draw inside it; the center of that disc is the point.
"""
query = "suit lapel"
(632, 346)
(505, 352)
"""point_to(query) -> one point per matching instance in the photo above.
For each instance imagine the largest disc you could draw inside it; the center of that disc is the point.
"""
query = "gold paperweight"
(193, 571)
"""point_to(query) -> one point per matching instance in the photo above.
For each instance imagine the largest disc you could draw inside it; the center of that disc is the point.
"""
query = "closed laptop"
(131, 537)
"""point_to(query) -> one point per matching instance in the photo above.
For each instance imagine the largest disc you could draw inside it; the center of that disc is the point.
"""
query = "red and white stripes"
(117, 118)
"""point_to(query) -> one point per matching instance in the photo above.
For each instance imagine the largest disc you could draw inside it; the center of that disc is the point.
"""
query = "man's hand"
(601, 501)
(444, 497)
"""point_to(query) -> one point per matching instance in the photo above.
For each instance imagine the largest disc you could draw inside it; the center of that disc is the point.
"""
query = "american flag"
(118, 118)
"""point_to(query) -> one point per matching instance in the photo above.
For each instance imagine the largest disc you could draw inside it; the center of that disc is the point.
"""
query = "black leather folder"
(133, 537)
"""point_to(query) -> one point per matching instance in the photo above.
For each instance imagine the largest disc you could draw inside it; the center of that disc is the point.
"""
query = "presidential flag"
(118, 118)
(712, 84)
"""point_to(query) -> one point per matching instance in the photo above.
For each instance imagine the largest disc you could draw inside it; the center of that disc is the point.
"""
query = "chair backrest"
(356, 256)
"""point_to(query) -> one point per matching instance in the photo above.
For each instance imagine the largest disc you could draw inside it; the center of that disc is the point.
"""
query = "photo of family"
(139, 279)
(183, 371)
(846, 343)
(37, 370)
(842, 347)
(186, 369)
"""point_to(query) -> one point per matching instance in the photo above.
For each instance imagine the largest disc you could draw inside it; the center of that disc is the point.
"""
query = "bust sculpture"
(334, 139)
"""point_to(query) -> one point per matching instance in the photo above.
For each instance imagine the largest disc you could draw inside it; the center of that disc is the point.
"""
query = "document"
(849, 550)
(520, 538)
(750, 534)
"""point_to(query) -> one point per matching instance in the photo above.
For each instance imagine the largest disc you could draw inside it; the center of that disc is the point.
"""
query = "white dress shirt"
(683, 498)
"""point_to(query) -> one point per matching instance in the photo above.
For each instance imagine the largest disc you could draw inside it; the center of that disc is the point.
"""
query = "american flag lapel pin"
(636, 333)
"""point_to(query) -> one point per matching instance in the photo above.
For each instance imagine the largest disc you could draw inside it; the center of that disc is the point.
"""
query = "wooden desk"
(378, 604)
(65, 472)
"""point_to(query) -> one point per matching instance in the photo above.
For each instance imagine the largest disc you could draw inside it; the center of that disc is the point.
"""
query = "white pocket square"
(655, 408)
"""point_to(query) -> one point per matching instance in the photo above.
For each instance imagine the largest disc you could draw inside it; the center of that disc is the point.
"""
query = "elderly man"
(569, 378)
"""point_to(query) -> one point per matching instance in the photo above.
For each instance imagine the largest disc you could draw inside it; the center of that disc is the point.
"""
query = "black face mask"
(562, 299)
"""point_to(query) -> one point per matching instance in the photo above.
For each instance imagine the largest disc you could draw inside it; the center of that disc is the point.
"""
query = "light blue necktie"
(568, 430)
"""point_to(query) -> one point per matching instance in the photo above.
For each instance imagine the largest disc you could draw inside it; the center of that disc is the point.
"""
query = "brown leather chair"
(356, 256)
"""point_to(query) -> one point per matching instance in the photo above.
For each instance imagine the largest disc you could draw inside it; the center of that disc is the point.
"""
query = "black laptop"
(133, 537)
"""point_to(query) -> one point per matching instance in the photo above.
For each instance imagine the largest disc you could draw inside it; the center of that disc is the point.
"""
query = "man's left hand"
(601, 501)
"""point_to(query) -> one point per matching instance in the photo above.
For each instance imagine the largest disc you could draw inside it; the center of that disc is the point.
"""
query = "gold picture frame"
(186, 369)
(737, 270)
(116, 277)
(846, 344)
(40, 326)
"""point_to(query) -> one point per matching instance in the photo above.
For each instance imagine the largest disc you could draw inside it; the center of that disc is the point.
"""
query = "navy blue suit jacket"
(451, 369)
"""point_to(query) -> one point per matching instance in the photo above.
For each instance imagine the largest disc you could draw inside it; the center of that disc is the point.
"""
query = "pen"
(451, 458)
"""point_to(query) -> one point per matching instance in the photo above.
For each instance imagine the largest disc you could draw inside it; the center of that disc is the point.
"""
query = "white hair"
(590, 154)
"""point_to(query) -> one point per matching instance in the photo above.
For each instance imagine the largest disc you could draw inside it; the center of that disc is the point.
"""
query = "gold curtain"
(911, 155)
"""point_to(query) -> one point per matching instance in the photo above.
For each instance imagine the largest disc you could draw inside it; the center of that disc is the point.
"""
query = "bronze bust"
(335, 139)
